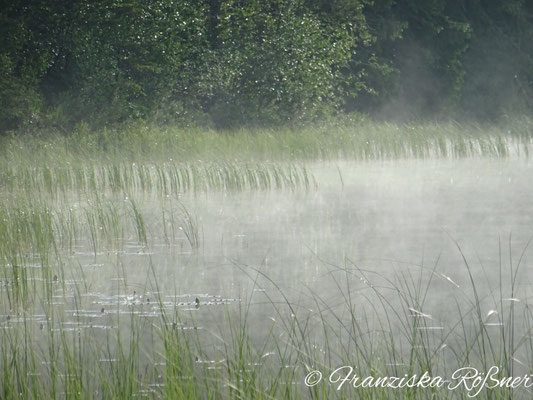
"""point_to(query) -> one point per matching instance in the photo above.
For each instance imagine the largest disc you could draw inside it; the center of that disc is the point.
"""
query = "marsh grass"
(349, 139)
(59, 193)
(146, 159)
(35, 235)
(378, 325)
(157, 178)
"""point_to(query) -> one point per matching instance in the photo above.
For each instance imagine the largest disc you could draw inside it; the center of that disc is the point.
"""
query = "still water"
(373, 230)
(387, 218)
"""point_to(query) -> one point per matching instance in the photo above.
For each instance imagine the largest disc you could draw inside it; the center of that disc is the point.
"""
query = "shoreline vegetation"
(146, 158)
(358, 137)
(87, 189)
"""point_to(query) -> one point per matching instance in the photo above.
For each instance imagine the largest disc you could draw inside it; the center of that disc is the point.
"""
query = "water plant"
(66, 207)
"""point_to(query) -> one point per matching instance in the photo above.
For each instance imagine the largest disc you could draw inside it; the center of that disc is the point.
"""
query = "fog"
(369, 223)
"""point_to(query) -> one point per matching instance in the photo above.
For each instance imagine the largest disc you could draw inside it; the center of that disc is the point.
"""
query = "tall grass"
(58, 179)
(95, 192)
(379, 325)
(144, 159)
(359, 138)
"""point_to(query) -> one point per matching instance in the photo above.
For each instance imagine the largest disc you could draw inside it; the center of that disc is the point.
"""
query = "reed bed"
(348, 139)
(145, 159)
(162, 179)
(90, 191)
(156, 351)
(379, 325)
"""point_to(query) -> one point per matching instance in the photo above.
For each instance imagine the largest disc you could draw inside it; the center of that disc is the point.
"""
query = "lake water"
(383, 216)
(366, 228)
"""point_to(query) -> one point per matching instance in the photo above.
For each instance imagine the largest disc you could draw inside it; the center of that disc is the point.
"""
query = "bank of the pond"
(356, 139)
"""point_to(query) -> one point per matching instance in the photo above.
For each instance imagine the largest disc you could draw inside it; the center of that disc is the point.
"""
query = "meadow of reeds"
(64, 200)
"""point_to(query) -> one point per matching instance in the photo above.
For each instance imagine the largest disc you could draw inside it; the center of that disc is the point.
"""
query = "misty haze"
(266, 200)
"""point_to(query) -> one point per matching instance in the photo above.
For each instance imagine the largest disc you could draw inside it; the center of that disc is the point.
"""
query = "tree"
(274, 61)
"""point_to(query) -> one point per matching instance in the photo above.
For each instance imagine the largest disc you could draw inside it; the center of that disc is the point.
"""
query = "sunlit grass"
(145, 159)
(351, 139)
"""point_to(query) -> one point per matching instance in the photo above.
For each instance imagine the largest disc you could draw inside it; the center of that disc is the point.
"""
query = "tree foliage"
(234, 62)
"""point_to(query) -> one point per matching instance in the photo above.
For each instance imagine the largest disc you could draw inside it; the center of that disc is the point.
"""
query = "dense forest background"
(229, 63)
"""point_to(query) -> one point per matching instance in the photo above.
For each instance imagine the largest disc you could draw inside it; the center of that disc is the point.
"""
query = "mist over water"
(367, 259)
(379, 220)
